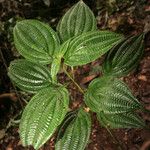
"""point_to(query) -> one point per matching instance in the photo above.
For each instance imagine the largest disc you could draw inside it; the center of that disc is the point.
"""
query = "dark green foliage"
(111, 96)
(77, 20)
(113, 102)
(123, 120)
(124, 57)
(29, 76)
(35, 41)
(43, 114)
(77, 133)
(81, 43)
(89, 46)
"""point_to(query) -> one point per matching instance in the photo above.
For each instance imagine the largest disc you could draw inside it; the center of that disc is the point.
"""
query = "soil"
(127, 17)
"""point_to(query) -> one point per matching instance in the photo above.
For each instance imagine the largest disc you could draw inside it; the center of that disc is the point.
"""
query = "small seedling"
(76, 42)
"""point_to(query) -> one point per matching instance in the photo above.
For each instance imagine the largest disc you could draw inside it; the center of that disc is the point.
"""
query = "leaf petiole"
(70, 77)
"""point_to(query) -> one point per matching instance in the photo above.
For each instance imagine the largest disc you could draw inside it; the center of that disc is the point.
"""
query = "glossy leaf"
(124, 57)
(43, 114)
(77, 133)
(110, 96)
(29, 76)
(35, 41)
(78, 19)
(123, 120)
(89, 46)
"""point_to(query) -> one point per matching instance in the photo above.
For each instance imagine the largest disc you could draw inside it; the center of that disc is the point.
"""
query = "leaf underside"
(110, 96)
(89, 46)
(77, 20)
(35, 41)
(124, 57)
(77, 133)
(29, 76)
(43, 114)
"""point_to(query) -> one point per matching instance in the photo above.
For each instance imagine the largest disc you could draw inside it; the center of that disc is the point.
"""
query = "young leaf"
(124, 57)
(35, 41)
(123, 120)
(55, 66)
(43, 114)
(111, 96)
(78, 19)
(77, 133)
(29, 76)
(89, 46)
(56, 63)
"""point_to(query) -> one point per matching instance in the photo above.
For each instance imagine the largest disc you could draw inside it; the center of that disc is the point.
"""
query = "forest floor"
(129, 17)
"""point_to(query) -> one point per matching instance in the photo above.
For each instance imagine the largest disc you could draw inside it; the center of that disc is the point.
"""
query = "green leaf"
(78, 19)
(55, 66)
(89, 46)
(70, 116)
(111, 96)
(77, 133)
(43, 114)
(123, 120)
(35, 41)
(124, 57)
(57, 58)
(29, 76)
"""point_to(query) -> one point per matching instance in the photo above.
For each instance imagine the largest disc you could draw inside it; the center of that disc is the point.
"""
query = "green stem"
(70, 77)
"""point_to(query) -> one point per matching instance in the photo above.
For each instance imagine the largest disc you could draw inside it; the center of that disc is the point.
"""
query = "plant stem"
(70, 77)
